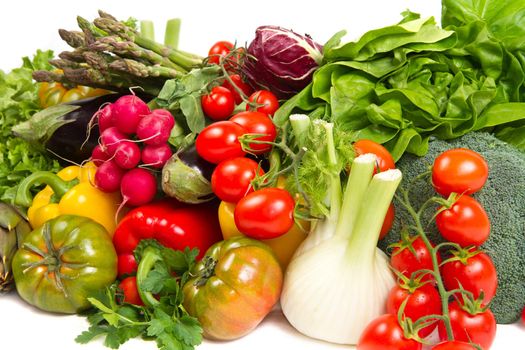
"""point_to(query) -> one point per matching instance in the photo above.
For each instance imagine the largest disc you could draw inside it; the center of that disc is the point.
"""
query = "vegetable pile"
(374, 189)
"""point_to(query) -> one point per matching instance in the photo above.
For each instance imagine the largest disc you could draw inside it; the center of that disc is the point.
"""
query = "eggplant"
(186, 176)
(71, 141)
(62, 130)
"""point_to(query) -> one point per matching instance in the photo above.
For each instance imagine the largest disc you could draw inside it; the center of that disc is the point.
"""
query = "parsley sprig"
(162, 318)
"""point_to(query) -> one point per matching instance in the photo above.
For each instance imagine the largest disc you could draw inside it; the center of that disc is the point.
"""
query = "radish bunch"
(132, 137)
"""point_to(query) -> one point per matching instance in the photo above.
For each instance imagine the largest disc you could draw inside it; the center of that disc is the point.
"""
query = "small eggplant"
(186, 177)
(62, 130)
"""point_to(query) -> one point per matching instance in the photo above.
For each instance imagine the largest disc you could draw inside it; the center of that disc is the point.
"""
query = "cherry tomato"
(423, 301)
(269, 103)
(218, 50)
(384, 333)
(475, 273)
(459, 170)
(266, 213)
(479, 328)
(237, 80)
(218, 104)
(131, 293)
(523, 316)
(454, 345)
(126, 264)
(388, 221)
(465, 222)
(384, 158)
(231, 179)
(405, 261)
(220, 141)
(257, 123)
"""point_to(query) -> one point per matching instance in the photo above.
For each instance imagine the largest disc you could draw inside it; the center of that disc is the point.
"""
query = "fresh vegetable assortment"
(205, 191)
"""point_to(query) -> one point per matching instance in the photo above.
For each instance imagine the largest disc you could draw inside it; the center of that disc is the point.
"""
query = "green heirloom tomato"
(234, 287)
(63, 262)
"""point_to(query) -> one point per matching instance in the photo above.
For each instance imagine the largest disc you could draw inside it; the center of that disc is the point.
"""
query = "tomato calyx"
(461, 254)
(412, 283)
(51, 260)
(410, 328)
(208, 271)
(468, 303)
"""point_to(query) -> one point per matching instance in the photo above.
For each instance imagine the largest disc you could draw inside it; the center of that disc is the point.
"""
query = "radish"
(109, 176)
(98, 156)
(110, 139)
(138, 187)
(164, 113)
(127, 112)
(127, 154)
(156, 156)
(154, 129)
(105, 118)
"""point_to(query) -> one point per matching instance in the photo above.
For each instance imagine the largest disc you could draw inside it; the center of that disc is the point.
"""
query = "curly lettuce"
(18, 102)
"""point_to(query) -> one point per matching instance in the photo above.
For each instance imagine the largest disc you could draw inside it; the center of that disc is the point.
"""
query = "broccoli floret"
(503, 198)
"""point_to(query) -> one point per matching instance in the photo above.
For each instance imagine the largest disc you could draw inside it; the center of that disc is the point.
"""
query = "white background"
(28, 25)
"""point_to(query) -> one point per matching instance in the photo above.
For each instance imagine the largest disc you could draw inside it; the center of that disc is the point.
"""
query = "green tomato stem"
(435, 264)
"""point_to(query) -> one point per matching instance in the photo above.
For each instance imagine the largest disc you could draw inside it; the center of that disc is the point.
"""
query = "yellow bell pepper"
(70, 191)
(283, 247)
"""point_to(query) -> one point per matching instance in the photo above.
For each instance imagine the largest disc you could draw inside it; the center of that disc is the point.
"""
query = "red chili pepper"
(175, 225)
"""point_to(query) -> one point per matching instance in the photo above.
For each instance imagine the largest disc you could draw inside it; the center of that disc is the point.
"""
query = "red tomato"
(523, 316)
(218, 104)
(423, 301)
(384, 333)
(269, 103)
(231, 179)
(257, 123)
(266, 213)
(220, 141)
(245, 88)
(459, 170)
(478, 329)
(131, 293)
(454, 345)
(126, 264)
(218, 50)
(465, 223)
(405, 261)
(475, 273)
(388, 221)
(384, 158)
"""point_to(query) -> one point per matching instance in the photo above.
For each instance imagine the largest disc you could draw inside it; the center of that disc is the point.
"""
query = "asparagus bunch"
(112, 55)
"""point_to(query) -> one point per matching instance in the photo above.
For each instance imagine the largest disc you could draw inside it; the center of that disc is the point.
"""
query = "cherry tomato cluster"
(132, 138)
(456, 174)
(264, 213)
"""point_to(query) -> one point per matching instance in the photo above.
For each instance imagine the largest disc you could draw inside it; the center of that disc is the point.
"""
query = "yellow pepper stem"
(24, 197)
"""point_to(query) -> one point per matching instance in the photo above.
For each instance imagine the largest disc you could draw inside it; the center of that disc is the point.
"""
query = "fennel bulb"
(338, 280)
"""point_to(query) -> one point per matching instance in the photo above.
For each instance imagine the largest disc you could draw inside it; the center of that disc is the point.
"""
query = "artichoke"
(13, 228)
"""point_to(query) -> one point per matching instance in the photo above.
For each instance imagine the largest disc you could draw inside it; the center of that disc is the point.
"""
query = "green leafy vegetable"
(401, 84)
(18, 102)
(162, 318)
(184, 94)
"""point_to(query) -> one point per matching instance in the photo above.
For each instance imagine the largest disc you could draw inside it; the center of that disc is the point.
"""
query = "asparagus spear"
(110, 54)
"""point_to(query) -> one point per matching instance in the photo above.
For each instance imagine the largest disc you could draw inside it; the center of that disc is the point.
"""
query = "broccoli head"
(503, 198)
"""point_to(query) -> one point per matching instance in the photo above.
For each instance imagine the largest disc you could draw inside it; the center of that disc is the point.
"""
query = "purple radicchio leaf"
(281, 61)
